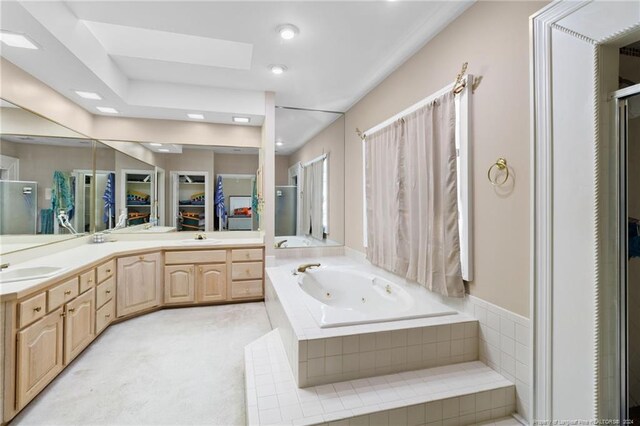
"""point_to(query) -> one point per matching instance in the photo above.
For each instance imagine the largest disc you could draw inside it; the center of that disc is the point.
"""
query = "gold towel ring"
(500, 164)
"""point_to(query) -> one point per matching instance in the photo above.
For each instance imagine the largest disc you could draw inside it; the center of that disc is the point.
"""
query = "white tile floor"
(172, 367)
(273, 397)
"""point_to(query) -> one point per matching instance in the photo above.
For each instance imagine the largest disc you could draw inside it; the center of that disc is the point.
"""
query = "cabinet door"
(212, 283)
(79, 324)
(179, 284)
(139, 283)
(39, 357)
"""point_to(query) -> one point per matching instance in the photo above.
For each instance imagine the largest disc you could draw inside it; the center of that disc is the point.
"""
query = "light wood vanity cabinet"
(50, 327)
(212, 283)
(208, 276)
(79, 324)
(39, 356)
(139, 283)
(179, 284)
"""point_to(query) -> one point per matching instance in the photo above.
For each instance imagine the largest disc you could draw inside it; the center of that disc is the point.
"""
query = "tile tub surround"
(326, 355)
(458, 394)
(504, 337)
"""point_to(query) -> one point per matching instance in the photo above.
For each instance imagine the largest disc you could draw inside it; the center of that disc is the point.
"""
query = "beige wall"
(494, 38)
(238, 164)
(38, 162)
(282, 170)
(330, 141)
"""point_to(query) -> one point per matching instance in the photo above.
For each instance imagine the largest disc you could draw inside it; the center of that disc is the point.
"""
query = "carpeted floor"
(172, 367)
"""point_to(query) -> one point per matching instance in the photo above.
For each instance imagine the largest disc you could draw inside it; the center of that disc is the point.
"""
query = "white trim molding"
(569, 224)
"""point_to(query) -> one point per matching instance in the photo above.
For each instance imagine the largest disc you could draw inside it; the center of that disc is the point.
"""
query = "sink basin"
(206, 241)
(33, 273)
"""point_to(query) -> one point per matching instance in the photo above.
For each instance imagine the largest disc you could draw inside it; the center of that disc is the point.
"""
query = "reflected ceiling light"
(155, 144)
(107, 110)
(277, 69)
(16, 40)
(163, 150)
(279, 143)
(241, 119)
(196, 116)
(89, 95)
(287, 31)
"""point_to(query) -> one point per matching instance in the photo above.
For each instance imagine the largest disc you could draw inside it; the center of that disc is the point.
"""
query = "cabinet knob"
(107, 291)
(246, 290)
(108, 271)
(37, 308)
(63, 314)
(67, 292)
(141, 257)
(248, 272)
(71, 310)
(90, 279)
(248, 255)
(200, 268)
(107, 316)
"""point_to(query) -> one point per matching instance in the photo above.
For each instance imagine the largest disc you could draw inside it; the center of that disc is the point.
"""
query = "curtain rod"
(309, 109)
(456, 87)
(315, 160)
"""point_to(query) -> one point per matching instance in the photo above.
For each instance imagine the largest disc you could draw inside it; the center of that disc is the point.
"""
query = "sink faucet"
(280, 243)
(303, 268)
(4, 266)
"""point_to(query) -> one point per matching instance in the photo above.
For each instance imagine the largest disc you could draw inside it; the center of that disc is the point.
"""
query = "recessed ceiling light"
(196, 116)
(107, 110)
(163, 150)
(288, 31)
(241, 119)
(277, 69)
(88, 95)
(279, 143)
(16, 40)
(155, 144)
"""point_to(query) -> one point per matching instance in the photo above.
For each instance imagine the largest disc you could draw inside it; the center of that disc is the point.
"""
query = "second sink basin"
(30, 273)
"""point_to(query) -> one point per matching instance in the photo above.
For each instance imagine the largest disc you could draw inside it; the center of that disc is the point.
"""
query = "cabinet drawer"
(105, 291)
(106, 270)
(105, 315)
(246, 255)
(246, 271)
(62, 293)
(246, 289)
(32, 309)
(195, 256)
(87, 280)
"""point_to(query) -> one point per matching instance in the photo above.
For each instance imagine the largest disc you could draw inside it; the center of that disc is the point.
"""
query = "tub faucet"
(280, 243)
(303, 268)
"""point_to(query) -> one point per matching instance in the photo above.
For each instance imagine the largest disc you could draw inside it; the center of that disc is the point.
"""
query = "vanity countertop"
(77, 259)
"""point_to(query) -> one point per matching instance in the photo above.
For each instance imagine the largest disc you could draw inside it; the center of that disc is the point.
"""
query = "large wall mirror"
(154, 187)
(309, 175)
(46, 173)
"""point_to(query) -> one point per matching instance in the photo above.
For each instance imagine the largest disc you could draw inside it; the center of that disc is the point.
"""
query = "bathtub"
(340, 296)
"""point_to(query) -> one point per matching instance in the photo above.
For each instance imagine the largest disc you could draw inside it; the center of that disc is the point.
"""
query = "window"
(465, 217)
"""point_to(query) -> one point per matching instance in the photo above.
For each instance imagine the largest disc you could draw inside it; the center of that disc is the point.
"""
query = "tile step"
(460, 394)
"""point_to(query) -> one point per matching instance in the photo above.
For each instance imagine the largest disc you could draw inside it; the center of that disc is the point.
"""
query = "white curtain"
(411, 192)
(312, 200)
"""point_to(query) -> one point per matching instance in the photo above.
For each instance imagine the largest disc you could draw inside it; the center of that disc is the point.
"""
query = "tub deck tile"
(466, 392)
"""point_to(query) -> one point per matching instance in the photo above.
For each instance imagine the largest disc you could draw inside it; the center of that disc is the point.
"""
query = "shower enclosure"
(625, 343)
(18, 207)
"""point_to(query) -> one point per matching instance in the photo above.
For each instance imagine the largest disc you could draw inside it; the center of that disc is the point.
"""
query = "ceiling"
(164, 59)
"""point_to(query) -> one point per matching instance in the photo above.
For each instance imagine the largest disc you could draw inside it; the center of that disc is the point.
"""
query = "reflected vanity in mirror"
(190, 188)
(309, 191)
(46, 173)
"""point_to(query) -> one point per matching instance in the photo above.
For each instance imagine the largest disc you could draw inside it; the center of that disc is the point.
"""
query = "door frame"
(586, 69)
